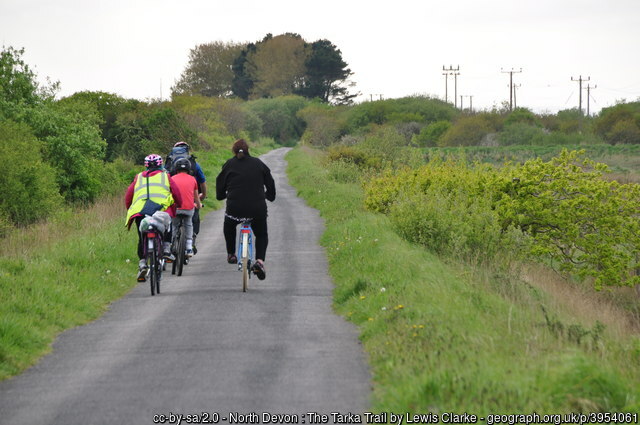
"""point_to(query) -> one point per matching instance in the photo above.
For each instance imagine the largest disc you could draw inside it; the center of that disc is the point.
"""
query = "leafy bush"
(407, 109)
(29, 190)
(385, 147)
(570, 216)
(18, 85)
(519, 133)
(279, 117)
(346, 154)
(445, 206)
(108, 106)
(323, 124)
(151, 129)
(73, 146)
(521, 116)
(570, 121)
(468, 130)
(581, 222)
(619, 124)
(624, 131)
(431, 134)
(345, 172)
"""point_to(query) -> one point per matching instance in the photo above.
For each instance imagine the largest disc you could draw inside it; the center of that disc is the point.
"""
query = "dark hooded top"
(246, 184)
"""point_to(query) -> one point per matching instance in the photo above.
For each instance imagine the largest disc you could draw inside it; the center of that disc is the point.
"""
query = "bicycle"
(179, 249)
(152, 242)
(245, 252)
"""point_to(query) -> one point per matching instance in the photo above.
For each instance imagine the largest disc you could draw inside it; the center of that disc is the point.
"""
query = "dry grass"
(609, 306)
(66, 224)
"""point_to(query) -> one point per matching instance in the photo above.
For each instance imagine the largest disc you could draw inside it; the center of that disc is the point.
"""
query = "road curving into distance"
(203, 347)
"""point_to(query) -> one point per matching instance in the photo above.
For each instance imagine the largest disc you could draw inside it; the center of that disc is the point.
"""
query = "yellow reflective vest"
(155, 188)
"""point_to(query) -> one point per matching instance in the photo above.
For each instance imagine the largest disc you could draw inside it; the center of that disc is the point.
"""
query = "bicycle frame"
(245, 252)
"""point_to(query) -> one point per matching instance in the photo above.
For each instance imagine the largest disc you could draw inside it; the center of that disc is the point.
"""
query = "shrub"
(73, 146)
(431, 134)
(568, 215)
(29, 189)
(466, 131)
(521, 116)
(279, 117)
(346, 154)
(519, 133)
(323, 126)
(624, 131)
(419, 109)
(619, 124)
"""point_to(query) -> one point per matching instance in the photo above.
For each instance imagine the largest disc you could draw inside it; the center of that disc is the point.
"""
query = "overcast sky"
(396, 48)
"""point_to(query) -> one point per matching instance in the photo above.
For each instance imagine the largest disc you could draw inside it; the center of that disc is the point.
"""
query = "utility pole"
(589, 88)
(470, 102)
(446, 80)
(515, 86)
(451, 71)
(511, 90)
(580, 80)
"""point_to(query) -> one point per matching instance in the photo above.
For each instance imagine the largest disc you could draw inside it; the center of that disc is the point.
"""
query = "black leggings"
(259, 226)
(137, 221)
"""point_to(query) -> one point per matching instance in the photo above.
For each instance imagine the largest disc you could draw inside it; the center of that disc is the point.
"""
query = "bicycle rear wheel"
(244, 252)
(159, 266)
(245, 274)
(151, 263)
(182, 248)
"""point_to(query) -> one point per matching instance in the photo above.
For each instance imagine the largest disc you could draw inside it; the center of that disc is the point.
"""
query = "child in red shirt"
(188, 187)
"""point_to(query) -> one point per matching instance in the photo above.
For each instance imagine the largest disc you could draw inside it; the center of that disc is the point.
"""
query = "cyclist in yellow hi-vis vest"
(152, 190)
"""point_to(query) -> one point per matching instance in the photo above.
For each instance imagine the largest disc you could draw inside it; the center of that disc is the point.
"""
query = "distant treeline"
(72, 150)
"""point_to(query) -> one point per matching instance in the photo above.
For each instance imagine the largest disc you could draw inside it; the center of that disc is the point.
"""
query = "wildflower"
(382, 289)
(362, 297)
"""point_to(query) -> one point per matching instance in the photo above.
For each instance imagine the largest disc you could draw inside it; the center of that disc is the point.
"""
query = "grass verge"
(442, 337)
(65, 272)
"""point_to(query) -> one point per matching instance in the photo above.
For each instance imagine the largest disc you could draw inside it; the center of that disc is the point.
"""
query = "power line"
(511, 89)
(451, 71)
(580, 80)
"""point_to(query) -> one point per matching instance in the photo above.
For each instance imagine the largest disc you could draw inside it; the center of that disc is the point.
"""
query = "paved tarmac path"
(204, 346)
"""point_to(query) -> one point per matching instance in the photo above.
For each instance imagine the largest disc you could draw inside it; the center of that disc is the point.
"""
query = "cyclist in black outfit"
(246, 183)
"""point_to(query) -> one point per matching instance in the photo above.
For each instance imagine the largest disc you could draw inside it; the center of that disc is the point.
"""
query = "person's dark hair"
(240, 148)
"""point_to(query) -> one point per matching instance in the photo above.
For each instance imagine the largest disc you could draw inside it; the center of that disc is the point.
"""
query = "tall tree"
(326, 74)
(277, 67)
(242, 83)
(210, 70)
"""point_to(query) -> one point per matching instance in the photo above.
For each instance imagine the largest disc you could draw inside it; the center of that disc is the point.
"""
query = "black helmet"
(183, 164)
